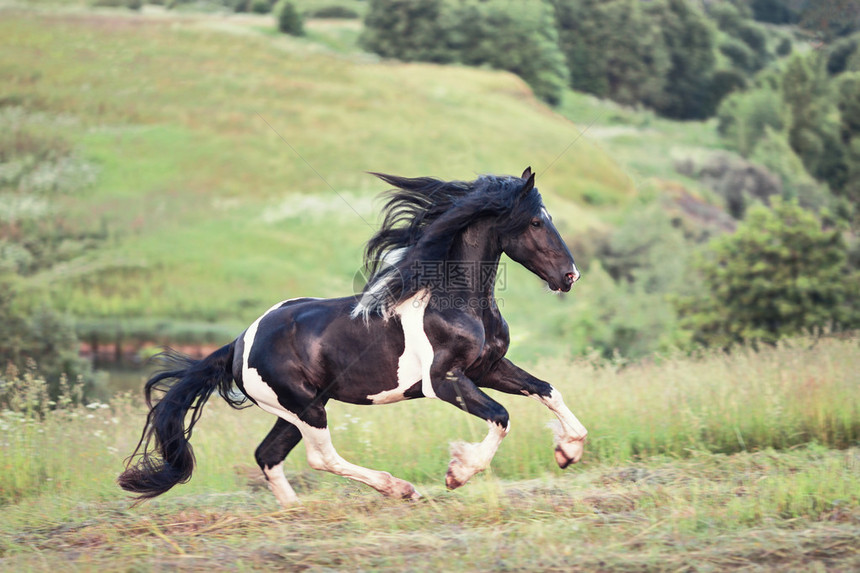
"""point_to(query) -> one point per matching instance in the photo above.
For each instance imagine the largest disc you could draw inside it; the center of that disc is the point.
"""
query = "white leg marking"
(322, 456)
(280, 486)
(414, 364)
(320, 451)
(469, 459)
(569, 432)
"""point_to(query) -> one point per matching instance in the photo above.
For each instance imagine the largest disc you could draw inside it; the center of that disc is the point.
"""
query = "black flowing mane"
(422, 219)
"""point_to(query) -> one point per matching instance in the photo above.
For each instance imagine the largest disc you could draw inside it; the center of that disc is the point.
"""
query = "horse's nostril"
(569, 278)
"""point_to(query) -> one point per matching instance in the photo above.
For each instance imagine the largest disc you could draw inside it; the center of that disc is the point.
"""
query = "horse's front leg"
(467, 459)
(570, 434)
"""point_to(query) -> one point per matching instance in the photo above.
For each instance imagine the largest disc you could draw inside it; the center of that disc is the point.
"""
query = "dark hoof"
(452, 482)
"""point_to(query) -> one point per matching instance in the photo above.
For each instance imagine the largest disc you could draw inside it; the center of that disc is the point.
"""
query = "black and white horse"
(426, 326)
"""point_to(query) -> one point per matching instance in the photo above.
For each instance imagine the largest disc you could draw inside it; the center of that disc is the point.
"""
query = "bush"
(840, 53)
(333, 12)
(780, 274)
(43, 337)
(740, 55)
(259, 6)
(774, 152)
(813, 129)
(848, 102)
(725, 82)
(743, 117)
(738, 182)
(289, 20)
(784, 47)
(776, 11)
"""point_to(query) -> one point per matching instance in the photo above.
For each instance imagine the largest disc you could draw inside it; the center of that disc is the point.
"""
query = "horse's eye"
(537, 223)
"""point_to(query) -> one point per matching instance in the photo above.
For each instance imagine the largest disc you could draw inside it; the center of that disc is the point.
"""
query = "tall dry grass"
(799, 392)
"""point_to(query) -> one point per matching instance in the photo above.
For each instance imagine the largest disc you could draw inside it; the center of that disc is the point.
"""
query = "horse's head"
(538, 246)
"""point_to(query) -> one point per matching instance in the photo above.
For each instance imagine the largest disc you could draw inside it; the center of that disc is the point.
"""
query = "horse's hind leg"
(323, 456)
(270, 455)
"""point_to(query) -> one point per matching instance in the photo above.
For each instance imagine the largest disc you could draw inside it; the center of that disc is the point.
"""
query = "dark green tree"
(410, 30)
(519, 37)
(613, 49)
(689, 39)
(848, 102)
(840, 52)
(289, 19)
(778, 275)
(776, 11)
(813, 129)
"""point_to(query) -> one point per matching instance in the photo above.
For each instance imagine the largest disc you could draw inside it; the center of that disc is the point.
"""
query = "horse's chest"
(413, 365)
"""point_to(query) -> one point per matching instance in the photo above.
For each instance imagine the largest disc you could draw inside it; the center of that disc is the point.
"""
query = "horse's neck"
(477, 255)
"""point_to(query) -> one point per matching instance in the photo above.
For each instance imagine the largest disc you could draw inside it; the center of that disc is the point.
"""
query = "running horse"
(426, 325)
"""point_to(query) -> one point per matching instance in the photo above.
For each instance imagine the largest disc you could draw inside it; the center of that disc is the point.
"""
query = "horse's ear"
(530, 182)
(527, 173)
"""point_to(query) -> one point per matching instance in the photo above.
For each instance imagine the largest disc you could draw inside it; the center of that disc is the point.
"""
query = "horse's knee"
(499, 416)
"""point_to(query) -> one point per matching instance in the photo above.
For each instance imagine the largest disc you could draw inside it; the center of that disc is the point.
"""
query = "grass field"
(714, 463)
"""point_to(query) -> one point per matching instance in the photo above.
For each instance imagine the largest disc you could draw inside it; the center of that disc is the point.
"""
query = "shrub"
(813, 128)
(333, 12)
(41, 336)
(738, 53)
(840, 53)
(780, 274)
(737, 181)
(725, 82)
(774, 152)
(259, 6)
(776, 11)
(289, 20)
(784, 47)
(743, 117)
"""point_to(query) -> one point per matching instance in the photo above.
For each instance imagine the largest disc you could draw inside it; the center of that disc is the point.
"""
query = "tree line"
(674, 56)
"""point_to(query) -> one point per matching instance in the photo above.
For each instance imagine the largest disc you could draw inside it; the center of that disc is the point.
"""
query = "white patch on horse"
(469, 459)
(320, 450)
(255, 386)
(569, 432)
(545, 214)
(414, 364)
(279, 485)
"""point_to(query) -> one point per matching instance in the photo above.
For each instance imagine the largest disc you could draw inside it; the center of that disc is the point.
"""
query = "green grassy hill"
(231, 161)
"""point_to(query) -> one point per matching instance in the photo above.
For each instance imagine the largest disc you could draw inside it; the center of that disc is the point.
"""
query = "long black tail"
(156, 467)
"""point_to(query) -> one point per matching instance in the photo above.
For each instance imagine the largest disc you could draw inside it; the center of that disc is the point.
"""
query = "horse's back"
(315, 344)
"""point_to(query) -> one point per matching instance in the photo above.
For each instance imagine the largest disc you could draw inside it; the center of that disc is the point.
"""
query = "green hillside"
(231, 162)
